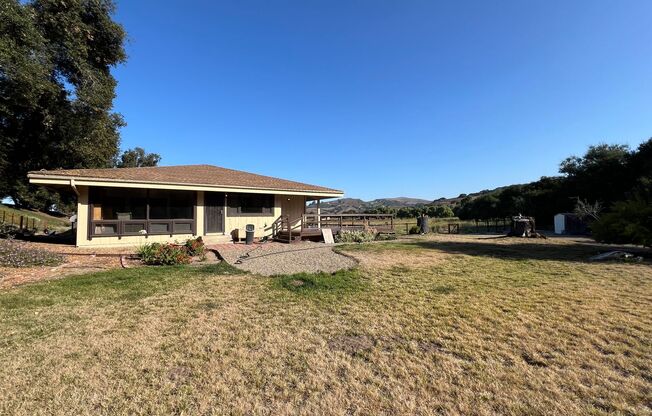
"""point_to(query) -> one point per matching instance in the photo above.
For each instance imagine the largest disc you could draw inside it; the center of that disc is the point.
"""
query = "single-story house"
(132, 206)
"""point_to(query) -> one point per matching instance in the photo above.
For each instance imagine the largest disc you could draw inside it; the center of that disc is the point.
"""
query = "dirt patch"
(210, 257)
(77, 261)
(179, 375)
(352, 344)
(391, 259)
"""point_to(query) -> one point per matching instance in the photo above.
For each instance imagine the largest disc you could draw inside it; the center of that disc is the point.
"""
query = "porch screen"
(119, 211)
(171, 205)
(119, 204)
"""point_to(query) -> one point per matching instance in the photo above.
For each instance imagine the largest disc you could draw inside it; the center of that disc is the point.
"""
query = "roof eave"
(46, 179)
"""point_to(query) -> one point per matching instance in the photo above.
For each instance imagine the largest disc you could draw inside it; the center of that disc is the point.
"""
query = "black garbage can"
(250, 234)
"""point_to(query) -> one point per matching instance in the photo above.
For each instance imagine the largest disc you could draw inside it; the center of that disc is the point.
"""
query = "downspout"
(74, 187)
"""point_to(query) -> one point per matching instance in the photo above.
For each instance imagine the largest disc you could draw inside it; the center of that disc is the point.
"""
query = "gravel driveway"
(278, 258)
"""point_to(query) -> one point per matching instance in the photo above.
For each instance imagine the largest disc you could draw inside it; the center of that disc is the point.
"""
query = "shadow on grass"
(521, 249)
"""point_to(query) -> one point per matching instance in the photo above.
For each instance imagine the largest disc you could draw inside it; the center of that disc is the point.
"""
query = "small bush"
(195, 247)
(163, 254)
(414, 230)
(15, 254)
(355, 236)
(8, 230)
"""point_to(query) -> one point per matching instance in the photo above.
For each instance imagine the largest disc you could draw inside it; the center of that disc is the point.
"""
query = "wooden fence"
(439, 227)
(23, 222)
(456, 226)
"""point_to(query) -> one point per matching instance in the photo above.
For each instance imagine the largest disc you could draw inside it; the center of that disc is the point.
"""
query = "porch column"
(318, 213)
(200, 227)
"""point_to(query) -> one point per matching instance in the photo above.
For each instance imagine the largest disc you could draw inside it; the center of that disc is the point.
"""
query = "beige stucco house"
(132, 206)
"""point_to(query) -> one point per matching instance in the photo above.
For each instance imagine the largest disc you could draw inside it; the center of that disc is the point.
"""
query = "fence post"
(21, 222)
(4, 216)
(406, 228)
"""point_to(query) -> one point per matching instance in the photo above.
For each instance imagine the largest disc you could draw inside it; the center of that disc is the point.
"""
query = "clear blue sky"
(385, 98)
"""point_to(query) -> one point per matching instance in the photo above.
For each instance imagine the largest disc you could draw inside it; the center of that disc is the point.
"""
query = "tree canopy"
(56, 90)
(137, 158)
(613, 178)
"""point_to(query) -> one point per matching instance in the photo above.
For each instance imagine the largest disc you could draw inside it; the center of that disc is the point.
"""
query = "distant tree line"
(433, 211)
(613, 179)
(56, 94)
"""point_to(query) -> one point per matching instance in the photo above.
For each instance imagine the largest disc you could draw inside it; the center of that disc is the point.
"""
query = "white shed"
(570, 223)
(560, 223)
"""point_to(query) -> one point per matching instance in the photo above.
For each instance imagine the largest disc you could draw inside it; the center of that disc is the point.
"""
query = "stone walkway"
(275, 258)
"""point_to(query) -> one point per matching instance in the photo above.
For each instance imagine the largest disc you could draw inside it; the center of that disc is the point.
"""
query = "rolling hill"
(356, 205)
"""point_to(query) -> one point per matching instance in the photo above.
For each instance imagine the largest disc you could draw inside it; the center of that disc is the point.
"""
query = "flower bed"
(171, 254)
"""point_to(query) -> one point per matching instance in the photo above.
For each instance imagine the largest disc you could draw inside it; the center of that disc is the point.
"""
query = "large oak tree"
(56, 90)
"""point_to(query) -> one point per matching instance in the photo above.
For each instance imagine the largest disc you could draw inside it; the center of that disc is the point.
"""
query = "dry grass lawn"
(448, 325)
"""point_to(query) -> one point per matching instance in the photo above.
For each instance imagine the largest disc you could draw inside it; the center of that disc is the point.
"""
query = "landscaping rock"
(278, 258)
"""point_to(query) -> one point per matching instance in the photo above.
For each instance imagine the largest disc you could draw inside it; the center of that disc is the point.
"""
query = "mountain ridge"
(357, 205)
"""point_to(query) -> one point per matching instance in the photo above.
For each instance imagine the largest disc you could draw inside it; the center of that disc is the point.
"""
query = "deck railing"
(287, 229)
(380, 222)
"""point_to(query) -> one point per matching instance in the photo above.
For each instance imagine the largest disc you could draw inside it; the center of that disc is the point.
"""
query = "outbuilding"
(569, 223)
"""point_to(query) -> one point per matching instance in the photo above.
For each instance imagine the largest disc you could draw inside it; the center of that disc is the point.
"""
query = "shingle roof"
(203, 175)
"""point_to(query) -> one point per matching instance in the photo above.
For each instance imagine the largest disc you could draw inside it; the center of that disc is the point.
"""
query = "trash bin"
(423, 224)
(250, 234)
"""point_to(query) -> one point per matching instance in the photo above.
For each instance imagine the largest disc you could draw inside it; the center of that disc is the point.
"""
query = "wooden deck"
(309, 226)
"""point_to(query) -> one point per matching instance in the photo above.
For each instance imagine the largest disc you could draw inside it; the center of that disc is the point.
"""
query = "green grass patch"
(311, 284)
(221, 268)
(110, 286)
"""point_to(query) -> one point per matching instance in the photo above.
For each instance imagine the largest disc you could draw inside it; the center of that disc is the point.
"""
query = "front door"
(294, 207)
(214, 212)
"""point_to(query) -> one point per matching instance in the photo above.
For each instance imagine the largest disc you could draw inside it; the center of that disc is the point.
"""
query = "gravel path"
(277, 258)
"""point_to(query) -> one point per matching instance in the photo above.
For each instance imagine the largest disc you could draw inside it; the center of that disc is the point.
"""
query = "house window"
(243, 205)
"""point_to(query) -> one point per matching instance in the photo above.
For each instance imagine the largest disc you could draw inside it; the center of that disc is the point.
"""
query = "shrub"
(355, 236)
(163, 254)
(629, 222)
(414, 230)
(8, 230)
(15, 254)
(195, 247)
